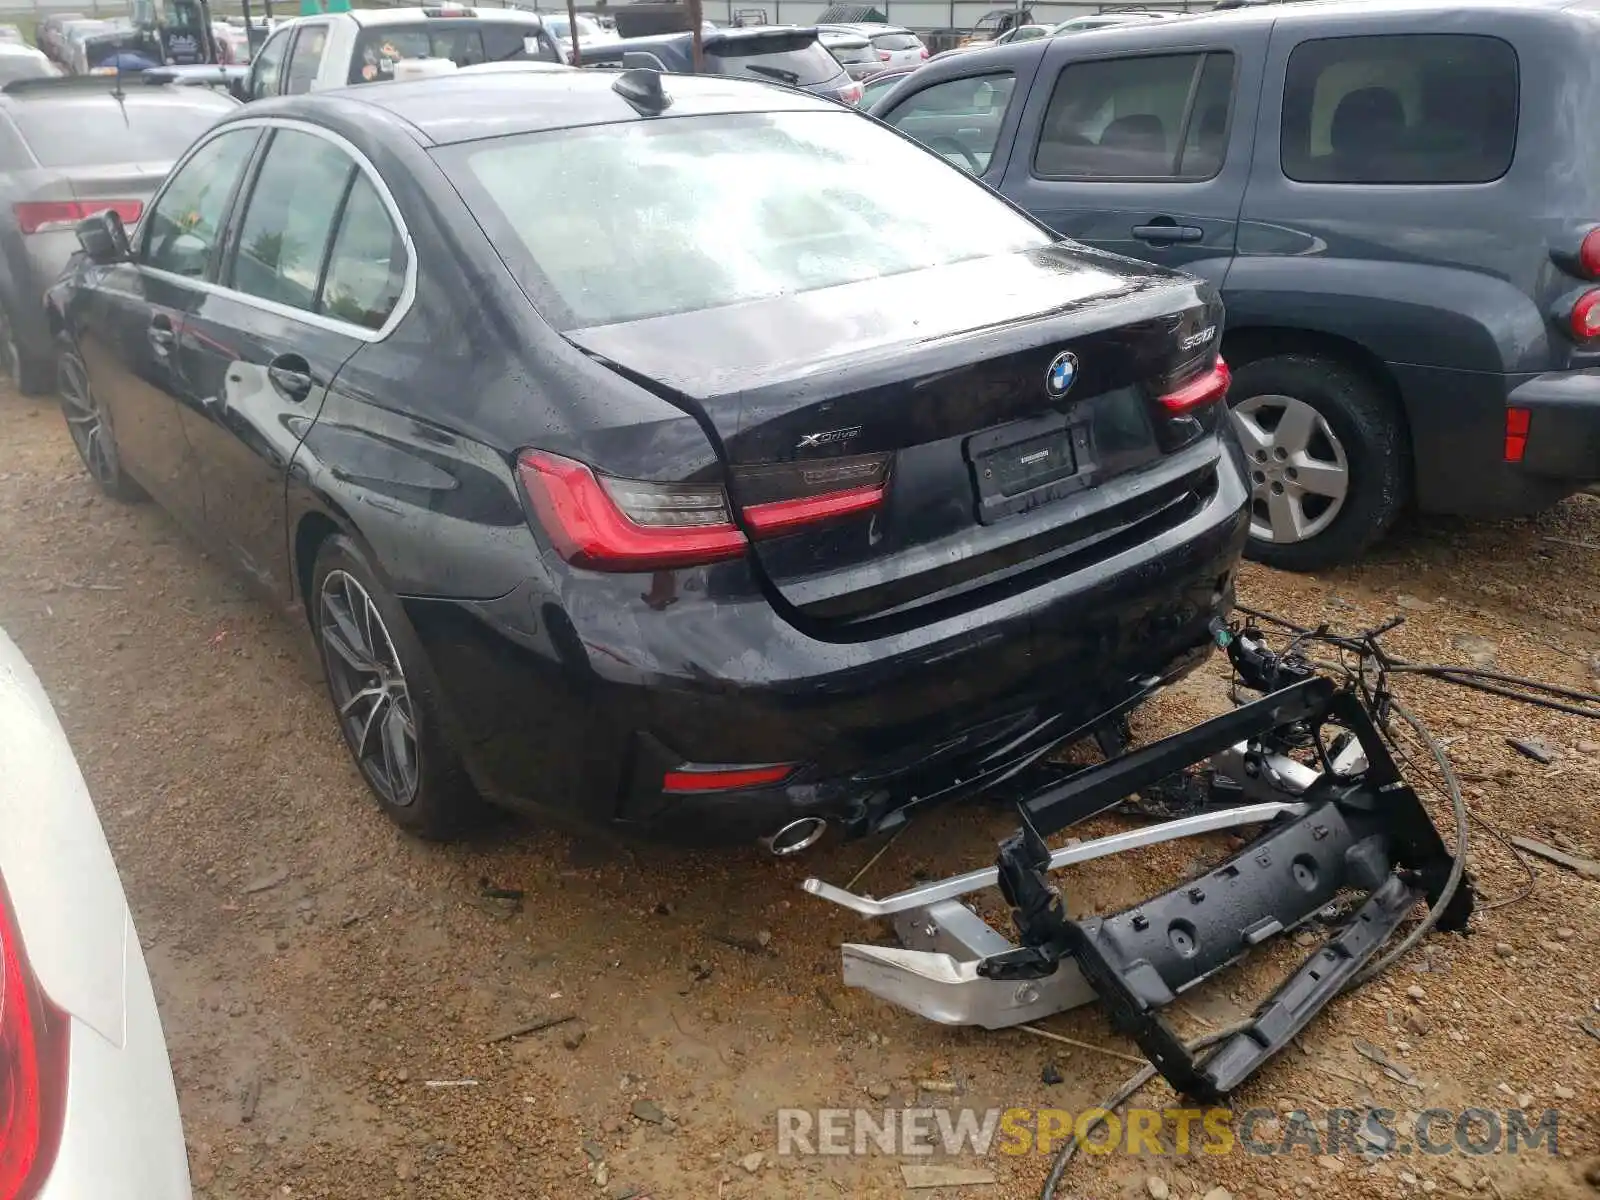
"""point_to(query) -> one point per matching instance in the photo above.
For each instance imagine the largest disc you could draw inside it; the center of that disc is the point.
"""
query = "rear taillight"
(1585, 319)
(924, 52)
(1518, 422)
(42, 216)
(611, 524)
(884, 56)
(33, 1069)
(1589, 254)
(850, 94)
(1205, 388)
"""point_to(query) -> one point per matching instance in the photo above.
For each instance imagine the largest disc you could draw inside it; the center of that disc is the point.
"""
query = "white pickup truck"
(362, 46)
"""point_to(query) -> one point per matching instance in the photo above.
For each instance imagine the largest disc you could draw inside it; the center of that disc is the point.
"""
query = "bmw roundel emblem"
(1059, 378)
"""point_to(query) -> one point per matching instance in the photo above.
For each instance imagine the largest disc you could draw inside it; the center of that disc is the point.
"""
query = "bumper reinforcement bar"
(1354, 825)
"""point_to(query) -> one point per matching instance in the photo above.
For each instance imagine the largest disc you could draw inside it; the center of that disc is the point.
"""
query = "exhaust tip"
(796, 836)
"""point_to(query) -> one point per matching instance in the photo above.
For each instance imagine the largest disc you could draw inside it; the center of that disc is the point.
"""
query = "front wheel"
(89, 425)
(382, 695)
(1328, 458)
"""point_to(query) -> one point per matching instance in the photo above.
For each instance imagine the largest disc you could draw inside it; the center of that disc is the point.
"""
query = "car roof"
(20, 50)
(462, 107)
(865, 28)
(1321, 10)
(88, 90)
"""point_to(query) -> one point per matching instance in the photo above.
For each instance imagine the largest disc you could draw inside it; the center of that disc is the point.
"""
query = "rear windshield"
(853, 52)
(89, 131)
(632, 220)
(802, 65)
(379, 48)
(896, 41)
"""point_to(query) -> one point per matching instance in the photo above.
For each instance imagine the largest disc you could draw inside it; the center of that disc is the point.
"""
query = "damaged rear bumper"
(1352, 826)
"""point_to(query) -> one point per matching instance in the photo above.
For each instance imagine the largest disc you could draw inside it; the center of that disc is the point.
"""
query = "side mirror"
(103, 238)
(239, 87)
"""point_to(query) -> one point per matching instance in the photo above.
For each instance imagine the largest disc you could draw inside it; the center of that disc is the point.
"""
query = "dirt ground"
(318, 971)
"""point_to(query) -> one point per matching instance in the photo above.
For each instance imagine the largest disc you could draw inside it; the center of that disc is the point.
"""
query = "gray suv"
(1398, 201)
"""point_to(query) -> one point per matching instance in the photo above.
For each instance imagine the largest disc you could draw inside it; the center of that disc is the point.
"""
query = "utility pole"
(572, 28)
(698, 36)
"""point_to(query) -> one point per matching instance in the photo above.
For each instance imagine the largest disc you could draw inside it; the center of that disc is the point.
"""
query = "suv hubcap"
(1299, 475)
(369, 687)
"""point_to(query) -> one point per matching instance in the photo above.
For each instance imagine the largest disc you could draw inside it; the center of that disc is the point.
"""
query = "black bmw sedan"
(688, 456)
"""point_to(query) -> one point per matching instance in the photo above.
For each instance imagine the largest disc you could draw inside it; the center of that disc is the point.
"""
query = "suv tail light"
(1585, 319)
(1206, 388)
(884, 56)
(1589, 253)
(43, 216)
(33, 1069)
(850, 94)
(611, 524)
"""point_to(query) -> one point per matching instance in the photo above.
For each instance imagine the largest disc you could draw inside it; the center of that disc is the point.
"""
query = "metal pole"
(697, 36)
(572, 29)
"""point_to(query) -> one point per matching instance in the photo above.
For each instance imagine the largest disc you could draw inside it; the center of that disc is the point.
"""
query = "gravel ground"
(317, 970)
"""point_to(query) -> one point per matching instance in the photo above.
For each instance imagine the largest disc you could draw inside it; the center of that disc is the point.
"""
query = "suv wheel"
(379, 682)
(1327, 456)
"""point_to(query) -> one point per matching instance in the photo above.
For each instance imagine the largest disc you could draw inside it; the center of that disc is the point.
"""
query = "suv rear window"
(1407, 108)
(783, 60)
(637, 219)
(896, 41)
(852, 50)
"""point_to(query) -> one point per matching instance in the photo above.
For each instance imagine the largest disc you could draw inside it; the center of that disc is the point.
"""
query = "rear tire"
(89, 425)
(1329, 459)
(384, 696)
(29, 374)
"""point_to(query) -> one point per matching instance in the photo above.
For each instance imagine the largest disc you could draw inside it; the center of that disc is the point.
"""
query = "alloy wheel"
(369, 687)
(1299, 473)
(86, 422)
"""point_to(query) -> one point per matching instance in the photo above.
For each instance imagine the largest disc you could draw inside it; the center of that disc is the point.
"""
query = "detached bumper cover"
(1354, 826)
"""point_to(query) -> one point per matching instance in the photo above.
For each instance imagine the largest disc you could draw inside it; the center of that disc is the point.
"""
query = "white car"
(590, 33)
(87, 1104)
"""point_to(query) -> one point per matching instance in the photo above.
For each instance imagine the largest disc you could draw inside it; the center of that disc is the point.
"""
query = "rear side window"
(516, 43)
(377, 50)
(958, 119)
(1157, 117)
(305, 60)
(180, 232)
(784, 61)
(367, 265)
(1410, 108)
(284, 234)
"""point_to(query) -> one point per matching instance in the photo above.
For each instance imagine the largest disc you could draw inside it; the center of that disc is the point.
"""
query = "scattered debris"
(1505, 950)
(879, 1091)
(933, 1176)
(249, 1098)
(942, 1086)
(1413, 603)
(1396, 1071)
(575, 1037)
(1051, 1074)
(748, 944)
(267, 882)
(649, 1111)
(531, 1027)
(1157, 1187)
(752, 1162)
(1533, 748)
(1587, 867)
(1479, 650)
(1416, 993)
(1562, 1092)
(449, 1083)
(490, 891)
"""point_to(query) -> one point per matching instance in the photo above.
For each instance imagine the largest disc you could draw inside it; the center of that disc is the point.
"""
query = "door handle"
(291, 375)
(1168, 232)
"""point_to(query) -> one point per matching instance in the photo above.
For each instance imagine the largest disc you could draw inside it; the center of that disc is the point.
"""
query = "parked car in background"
(1399, 210)
(11, 34)
(1105, 21)
(362, 46)
(87, 1102)
(895, 45)
(18, 61)
(50, 34)
(852, 52)
(70, 147)
(232, 42)
(590, 33)
(876, 86)
(776, 54)
(730, 462)
(1017, 33)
